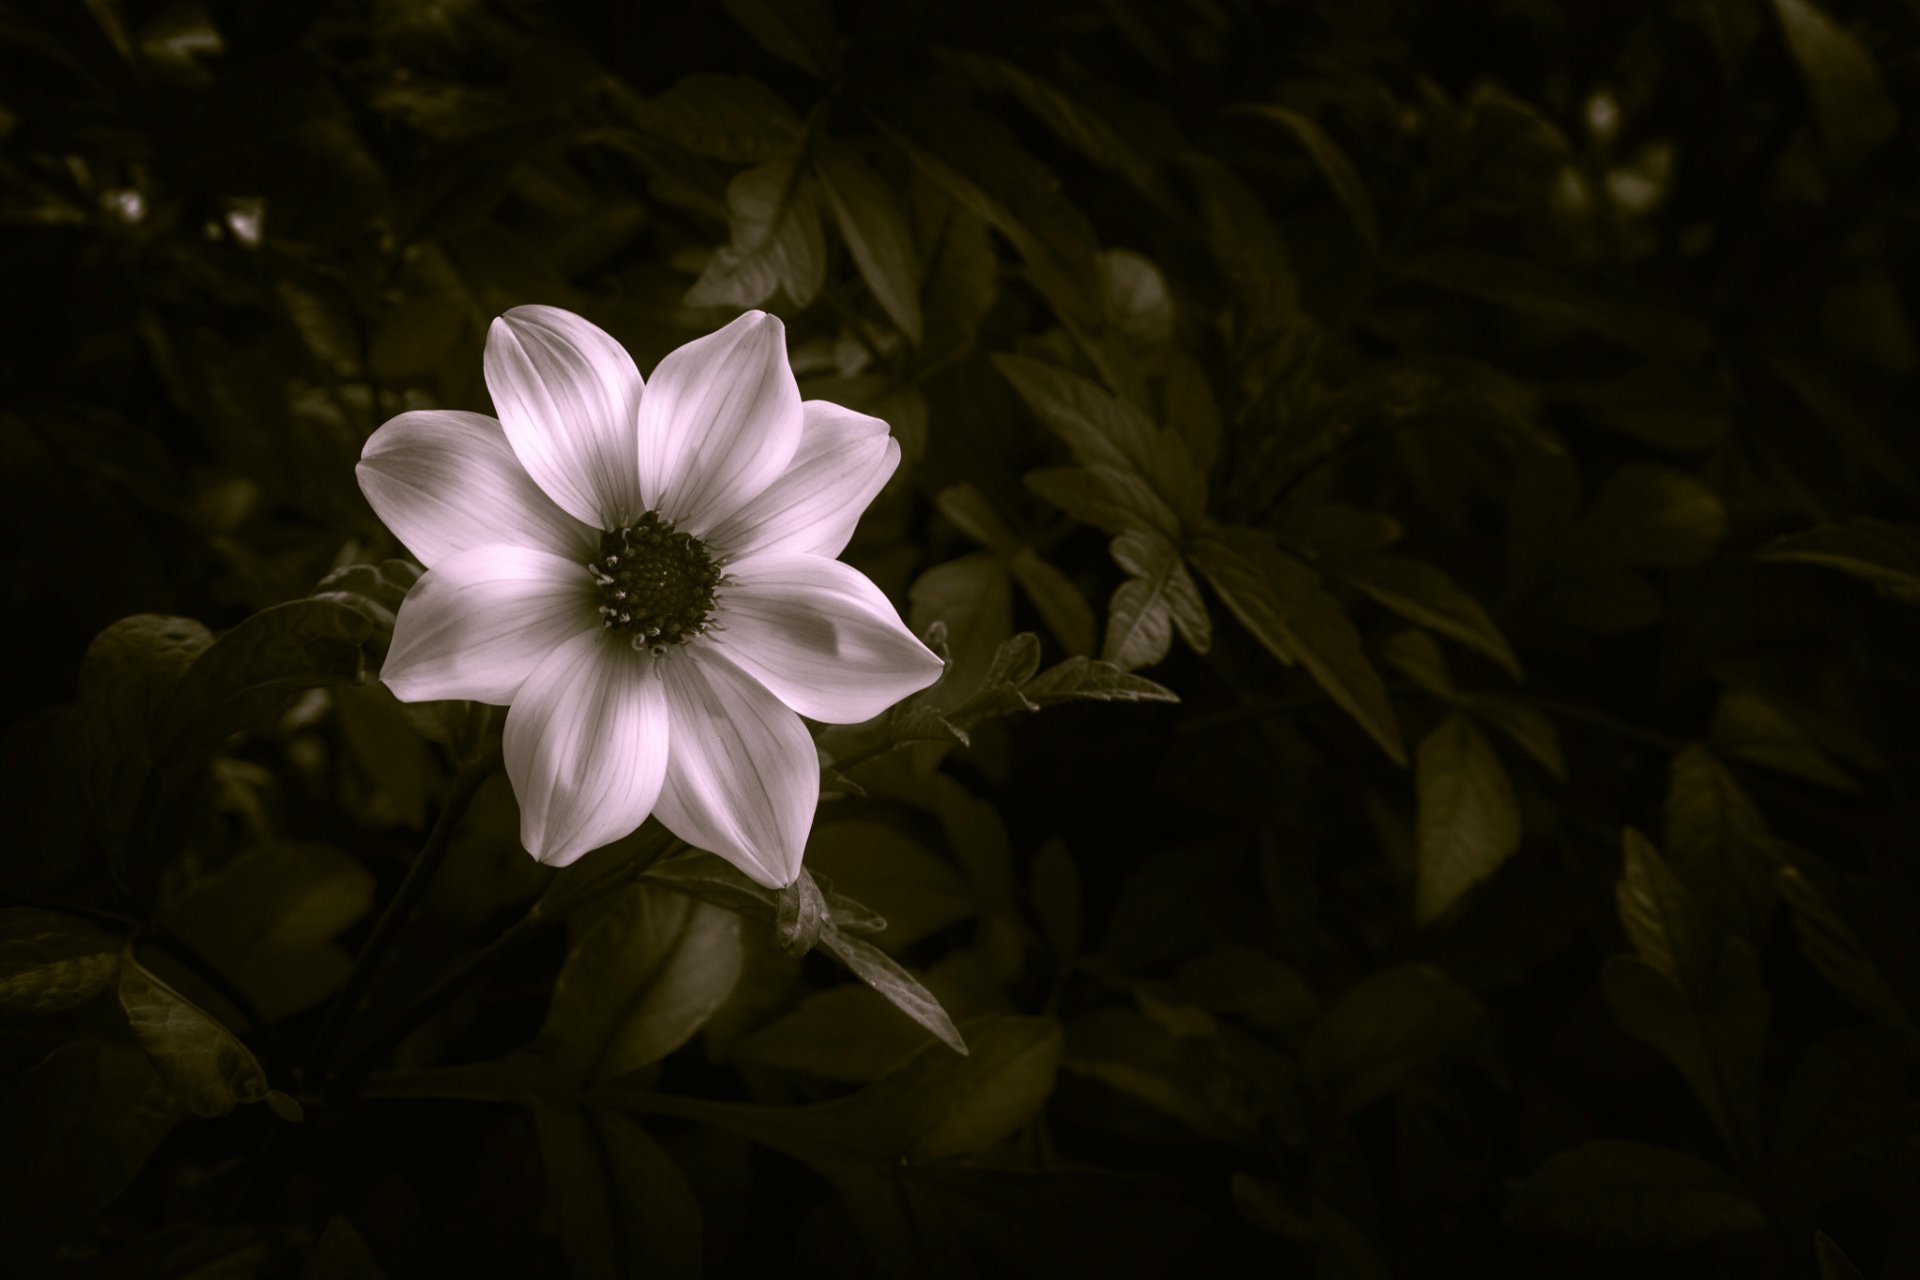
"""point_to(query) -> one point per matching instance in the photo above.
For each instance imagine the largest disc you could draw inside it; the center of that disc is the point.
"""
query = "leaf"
(1750, 728)
(1249, 984)
(1137, 1056)
(902, 990)
(203, 1064)
(1886, 556)
(1280, 600)
(1159, 595)
(1655, 517)
(731, 118)
(339, 1254)
(795, 31)
(1105, 497)
(1659, 914)
(1138, 303)
(1718, 843)
(126, 678)
(1102, 431)
(1631, 1195)
(1834, 1263)
(1417, 656)
(622, 1206)
(870, 221)
(1423, 594)
(1835, 950)
(1709, 1023)
(1524, 726)
(644, 974)
(776, 242)
(1386, 1027)
(845, 1033)
(249, 672)
(1055, 598)
(1334, 167)
(800, 915)
(1468, 821)
(1850, 102)
(1079, 679)
(51, 961)
(918, 892)
(1249, 249)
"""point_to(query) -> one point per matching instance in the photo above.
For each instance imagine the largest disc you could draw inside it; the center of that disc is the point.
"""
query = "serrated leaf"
(1386, 1027)
(795, 31)
(251, 670)
(731, 118)
(1078, 678)
(623, 1208)
(1423, 594)
(203, 1064)
(644, 974)
(1886, 556)
(1524, 726)
(773, 219)
(50, 961)
(1280, 600)
(1140, 616)
(1468, 822)
(868, 214)
(1103, 431)
(1850, 102)
(1333, 165)
(1631, 1195)
(1105, 497)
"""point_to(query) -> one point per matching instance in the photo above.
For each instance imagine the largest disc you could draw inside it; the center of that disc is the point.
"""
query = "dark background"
(1523, 883)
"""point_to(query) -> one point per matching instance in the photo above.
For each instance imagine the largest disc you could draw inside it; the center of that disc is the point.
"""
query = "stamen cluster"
(657, 584)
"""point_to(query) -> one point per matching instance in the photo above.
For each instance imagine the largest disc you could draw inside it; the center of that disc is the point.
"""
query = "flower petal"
(586, 747)
(743, 778)
(478, 623)
(844, 460)
(569, 398)
(719, 422)
(445, 481)
(820, 637)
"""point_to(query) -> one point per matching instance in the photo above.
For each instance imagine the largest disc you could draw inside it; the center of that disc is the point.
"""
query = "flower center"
(656, 583)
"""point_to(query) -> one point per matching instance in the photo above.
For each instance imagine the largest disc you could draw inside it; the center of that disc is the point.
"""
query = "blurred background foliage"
(1493, 421)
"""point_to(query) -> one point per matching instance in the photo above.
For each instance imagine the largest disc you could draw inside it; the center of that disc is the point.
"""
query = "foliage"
(1417, 502)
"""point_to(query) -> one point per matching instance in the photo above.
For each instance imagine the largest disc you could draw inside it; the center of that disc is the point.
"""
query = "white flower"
(647, 575)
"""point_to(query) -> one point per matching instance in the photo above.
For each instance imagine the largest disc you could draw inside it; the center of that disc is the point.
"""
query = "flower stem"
(542, 915)
(400, 910)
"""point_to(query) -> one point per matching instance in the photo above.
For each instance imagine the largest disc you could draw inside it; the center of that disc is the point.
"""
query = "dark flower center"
(656, 583)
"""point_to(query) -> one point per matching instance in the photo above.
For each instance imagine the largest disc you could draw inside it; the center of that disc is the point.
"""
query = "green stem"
(400, 910)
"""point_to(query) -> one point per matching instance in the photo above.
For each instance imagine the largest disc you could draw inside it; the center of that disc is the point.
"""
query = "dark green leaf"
(1718, 843)
(622, 1206)
(1386, 1027)
(50, 961)
(1468, 821)
(731, 118)
(1832, 947)
(1106, 498)
(796, 31)
(1748, 727)
(1524, 726)
(1055, 598)
(917, 892)
(1159, 594)
(870, 221)
(1180, 1077)
(773, 216)
(1280, 600)
(1630, 1195)
(1334, 166)
(878, 970)
(1655, 517)
(1834, 1263)
(249, 672)
(645, 973)
(1423, 594)
(207, 1069)
(1886, 556)
(1850, 102)
(1249, 249)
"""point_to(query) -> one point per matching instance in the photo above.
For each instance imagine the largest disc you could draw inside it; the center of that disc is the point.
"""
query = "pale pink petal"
(742, 779)
(478, 623)
(569, 398)
(719, 422)
(445, 481)
(843, 461)
(586, 747)
(820, 637)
